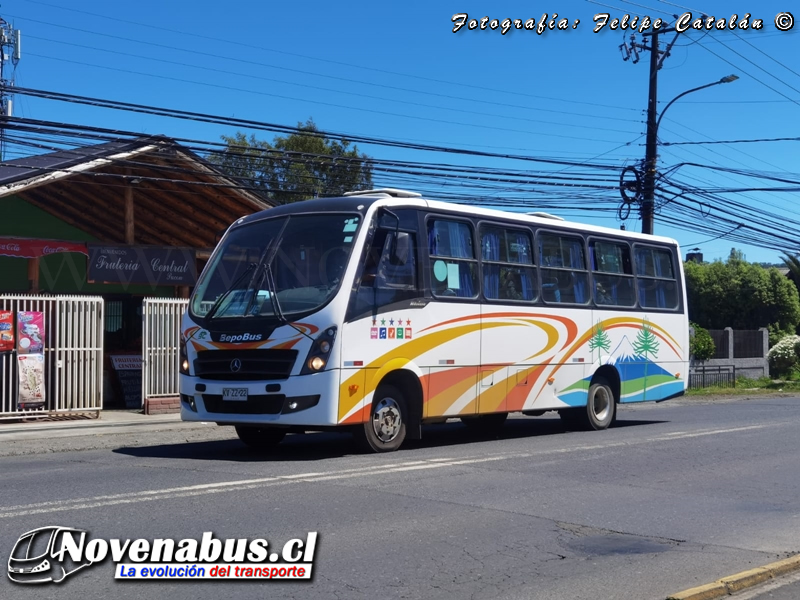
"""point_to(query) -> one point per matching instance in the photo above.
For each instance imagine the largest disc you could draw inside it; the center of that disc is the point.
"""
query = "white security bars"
(73, 355)
(160, 345)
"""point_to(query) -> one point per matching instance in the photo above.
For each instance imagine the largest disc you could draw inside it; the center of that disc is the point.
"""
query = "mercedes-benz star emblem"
(236, 365)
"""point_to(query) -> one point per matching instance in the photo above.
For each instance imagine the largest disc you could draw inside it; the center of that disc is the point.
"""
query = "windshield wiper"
(272, 288)
(218, 302)
(263, 264)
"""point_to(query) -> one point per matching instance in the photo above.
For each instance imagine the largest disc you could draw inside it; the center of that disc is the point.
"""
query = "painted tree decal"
(646, 342)
(599, 339)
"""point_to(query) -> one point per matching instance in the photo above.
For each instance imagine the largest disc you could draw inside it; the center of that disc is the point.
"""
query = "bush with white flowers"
(783, 357)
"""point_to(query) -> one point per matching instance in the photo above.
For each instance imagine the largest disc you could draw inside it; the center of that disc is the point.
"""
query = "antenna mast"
(10, 52)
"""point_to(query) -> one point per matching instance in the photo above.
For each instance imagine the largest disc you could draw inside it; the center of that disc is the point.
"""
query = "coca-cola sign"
(32, 248)
(149, 265)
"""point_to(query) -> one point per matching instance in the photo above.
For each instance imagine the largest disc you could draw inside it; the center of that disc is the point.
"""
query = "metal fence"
(160, 344)
(720, 337)
(748, 344)
(713, 376)
(73, 355)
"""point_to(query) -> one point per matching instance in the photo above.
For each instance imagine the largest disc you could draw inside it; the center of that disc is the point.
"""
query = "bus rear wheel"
(385, 431)
(600, 410)
(600, 406)
(260, 438)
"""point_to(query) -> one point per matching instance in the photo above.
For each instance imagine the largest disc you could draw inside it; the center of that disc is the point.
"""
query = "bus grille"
(245, 365)
(268, 404)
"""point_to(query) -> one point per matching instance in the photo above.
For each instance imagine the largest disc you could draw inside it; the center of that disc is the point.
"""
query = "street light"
(651, 152)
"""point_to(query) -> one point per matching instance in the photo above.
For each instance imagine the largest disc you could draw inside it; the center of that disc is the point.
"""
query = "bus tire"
(490, 424)
(600, 406)
(385, 431)
(260, 438)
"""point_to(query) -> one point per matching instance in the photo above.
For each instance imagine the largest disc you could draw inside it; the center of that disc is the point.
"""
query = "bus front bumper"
(304, 400)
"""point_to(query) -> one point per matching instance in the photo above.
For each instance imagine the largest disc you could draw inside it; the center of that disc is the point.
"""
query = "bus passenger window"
(613, 273)
(657, 284)
(564, 275)
(508, 271)
(454, 269)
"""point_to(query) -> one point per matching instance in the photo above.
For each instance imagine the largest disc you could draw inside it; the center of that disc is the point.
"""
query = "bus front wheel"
(385, 430)
(260, 438)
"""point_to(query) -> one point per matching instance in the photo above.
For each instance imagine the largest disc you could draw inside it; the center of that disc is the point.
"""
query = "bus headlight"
(316, 364)
(183, 358)
(320, 352)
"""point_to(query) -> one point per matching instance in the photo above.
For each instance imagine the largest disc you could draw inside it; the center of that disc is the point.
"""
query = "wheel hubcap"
(601, 404)
(386, 420)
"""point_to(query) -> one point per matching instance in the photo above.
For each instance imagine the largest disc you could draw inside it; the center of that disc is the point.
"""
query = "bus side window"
(656, 277)
(563, 272)
(452, 259)
(612, 273)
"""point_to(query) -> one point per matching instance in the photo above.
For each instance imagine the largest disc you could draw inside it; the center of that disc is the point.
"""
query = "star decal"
(383, 322)
(374, 322)
(408, 322)
(391, 321)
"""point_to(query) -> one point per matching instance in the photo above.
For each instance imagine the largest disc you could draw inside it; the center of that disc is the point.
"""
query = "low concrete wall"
(745, 367)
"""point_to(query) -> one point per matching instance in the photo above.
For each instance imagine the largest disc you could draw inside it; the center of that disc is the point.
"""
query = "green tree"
(646, 342)
(295, 167)
(741, 295)
(599, 339)
(701, 346)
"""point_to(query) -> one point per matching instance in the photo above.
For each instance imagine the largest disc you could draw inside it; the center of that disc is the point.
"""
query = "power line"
(207, 69)
(772, 58)
(785, 139)
(216, 39)
(274, 128)
(749, 74)
(760, 68)
(292, 70)
(331, 104)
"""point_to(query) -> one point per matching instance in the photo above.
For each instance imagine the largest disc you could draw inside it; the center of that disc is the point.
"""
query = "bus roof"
(362, 201)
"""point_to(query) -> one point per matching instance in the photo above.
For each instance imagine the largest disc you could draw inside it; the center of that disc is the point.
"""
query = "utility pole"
(651, 143)
(648, 191)
(10, 50)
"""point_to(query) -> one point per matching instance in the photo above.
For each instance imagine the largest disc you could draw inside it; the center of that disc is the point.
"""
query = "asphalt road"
(677, 495)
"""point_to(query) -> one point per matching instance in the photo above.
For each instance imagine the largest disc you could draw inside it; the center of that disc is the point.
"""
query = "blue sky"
(396, 70)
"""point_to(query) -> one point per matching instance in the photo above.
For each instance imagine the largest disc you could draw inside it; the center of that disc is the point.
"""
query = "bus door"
(453, 318)
(388, 308)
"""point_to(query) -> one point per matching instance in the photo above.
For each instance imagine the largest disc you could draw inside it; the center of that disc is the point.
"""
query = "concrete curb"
(146, 421)
(741, 581)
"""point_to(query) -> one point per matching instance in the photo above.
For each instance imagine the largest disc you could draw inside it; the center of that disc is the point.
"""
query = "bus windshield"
(304, 255)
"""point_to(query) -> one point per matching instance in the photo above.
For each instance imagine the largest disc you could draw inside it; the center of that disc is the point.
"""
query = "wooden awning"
(177, 198)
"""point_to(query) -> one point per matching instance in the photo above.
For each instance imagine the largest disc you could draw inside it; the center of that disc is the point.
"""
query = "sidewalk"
(108, 422)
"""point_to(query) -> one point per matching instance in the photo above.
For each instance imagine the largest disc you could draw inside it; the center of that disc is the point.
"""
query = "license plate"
(234, 394)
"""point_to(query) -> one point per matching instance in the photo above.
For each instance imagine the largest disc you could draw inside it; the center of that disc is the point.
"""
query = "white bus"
(381, 311)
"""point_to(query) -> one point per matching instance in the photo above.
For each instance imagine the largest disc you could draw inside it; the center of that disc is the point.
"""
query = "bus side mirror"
(400, 248)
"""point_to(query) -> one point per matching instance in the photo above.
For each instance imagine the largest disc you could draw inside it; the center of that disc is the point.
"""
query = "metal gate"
(73, 355)
(161, 332)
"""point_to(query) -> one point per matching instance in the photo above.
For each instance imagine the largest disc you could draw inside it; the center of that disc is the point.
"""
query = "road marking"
(315, 477)
(683, 435)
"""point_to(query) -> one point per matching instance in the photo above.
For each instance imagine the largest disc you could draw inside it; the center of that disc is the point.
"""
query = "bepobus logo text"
(242, 337)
